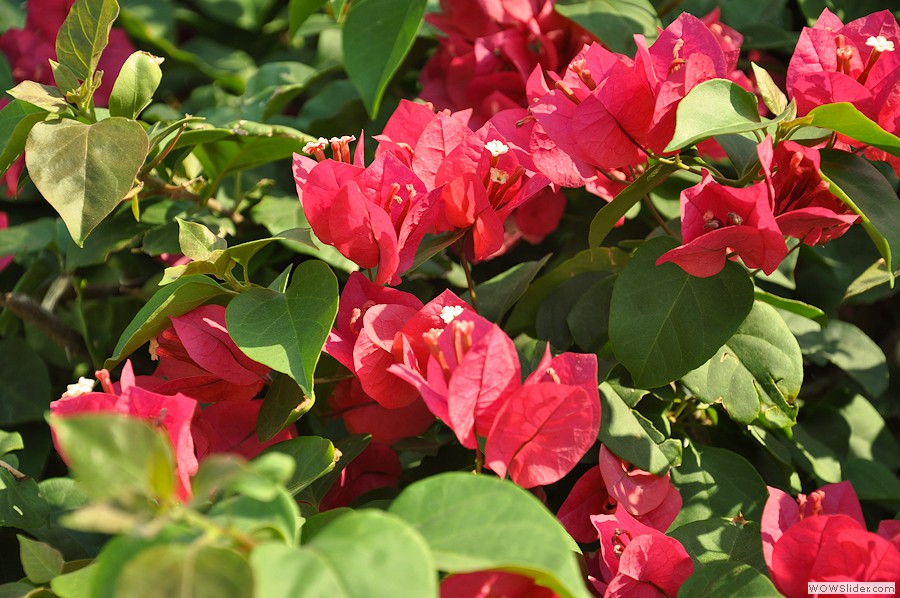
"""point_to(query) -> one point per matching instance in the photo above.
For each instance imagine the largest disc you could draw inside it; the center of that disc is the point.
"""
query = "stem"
(239, 538)
(18, 475)
(29, 310)
(161, 155)
(465, 266)
(657, 216)
(479, 460)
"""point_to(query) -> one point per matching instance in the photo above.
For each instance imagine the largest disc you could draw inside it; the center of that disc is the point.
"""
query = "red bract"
(375, 216)
(853, 63)
(587, 498)
(199, 359)
(230, 427)
(804, 207)
(376, 467)
(492, 584)
(650, 498)
(490, 49)
(172, 413)
(363, 415)
(637, 560)
(716, 220)
(831, 548)
(781, 511)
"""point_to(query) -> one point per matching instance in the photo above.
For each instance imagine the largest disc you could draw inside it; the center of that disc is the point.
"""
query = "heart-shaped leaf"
(85, 170)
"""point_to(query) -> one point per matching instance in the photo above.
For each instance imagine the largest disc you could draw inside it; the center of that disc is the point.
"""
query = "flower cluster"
(201, 393)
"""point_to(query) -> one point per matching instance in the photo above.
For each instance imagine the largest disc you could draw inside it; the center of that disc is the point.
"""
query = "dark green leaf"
(720, 539)
(872, 480)
(16, 120)
(40, 561)
(377, 36)
(756, 374)
(300, 10)
(21, 503)
(116, 457)
(497, 295)
(314, 457)
(614, 21)
(588, 320)
(25, 392)
(611, 213)
(741, 150)
(186, 571)
(283, 405)
(84, 35)
(134, 87)
(287, 331)
(452, 512)
(626, 436)
(727, 580)
(845, 119)
(431, 246)
(85, 170)
(173, 300)
(552, 320)
(664, 322)
(715, 107)
(862, 187)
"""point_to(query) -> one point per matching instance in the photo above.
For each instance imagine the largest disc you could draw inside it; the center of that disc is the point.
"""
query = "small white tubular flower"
(499, 176)
(496, 147)
(319, 144)
(880, 44)
(82, 387)
(343, 139)
(450, 313)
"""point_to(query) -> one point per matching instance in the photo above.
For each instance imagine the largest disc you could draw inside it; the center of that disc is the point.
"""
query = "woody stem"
(465, 266)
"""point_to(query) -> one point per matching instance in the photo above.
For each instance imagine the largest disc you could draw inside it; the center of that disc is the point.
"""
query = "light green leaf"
(116, 457)
(773, 97)
(845, 119)
(300, 10)
(664, 322)
(459, 514)
(343, 453)
(756, 374)
(277, 519)
(727, 580)
(614, 22)
(794, 306)
(134, 87)
(173, 300)
(45, 97)
(862, 187)
(186, 571)
(281, 571)
(611, 213)
(715, 107)
(9, 442)
(287, 331)
(84, 34)
(16, 120)
(75, 584)
(314, 458)
(197, 241)
(40, 561)
(377, 36)
(85, 170)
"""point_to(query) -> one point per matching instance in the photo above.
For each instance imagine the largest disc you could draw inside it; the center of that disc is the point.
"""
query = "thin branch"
(29, 310)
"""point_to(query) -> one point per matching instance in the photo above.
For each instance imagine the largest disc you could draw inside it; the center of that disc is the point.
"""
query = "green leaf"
(173, 300)
(795, 306)
(45, 97)
(851, 349)
(283, 405)
(845, 119)
(84, 34)
(299, 11)
(552, 321)
(875, 275)
(82, 170)
(21, 503)
(870, 437)
(624, 434)
(25, 392)
(277, 519)
(186, 571)
(459, 516)
(16, 120)
(815, 456)
(116, 457)
(75, 584)
(375, 554)
(497, 295)
(377, 36)
(614, 21)
(281, 571)
(134, 87)
(862, 187)
(715, 107)
(756, 374)
(872, 480)
(741, 150)
(10, 441)
(727, 580)
(715, 482)
(314, 457)
(588, 320)
(40, 561)
(344, 452)
(65, 79)
(611, 213)
(773, 97)
(720, 539)
(196, 241)
(665, 322)
(287, 331)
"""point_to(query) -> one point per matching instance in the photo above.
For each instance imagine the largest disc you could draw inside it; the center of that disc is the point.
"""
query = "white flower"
(499, 176)
(319, 144)
(450, 312)
(82, 387)
(880, 43)
(343, 139)
(496, 147)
